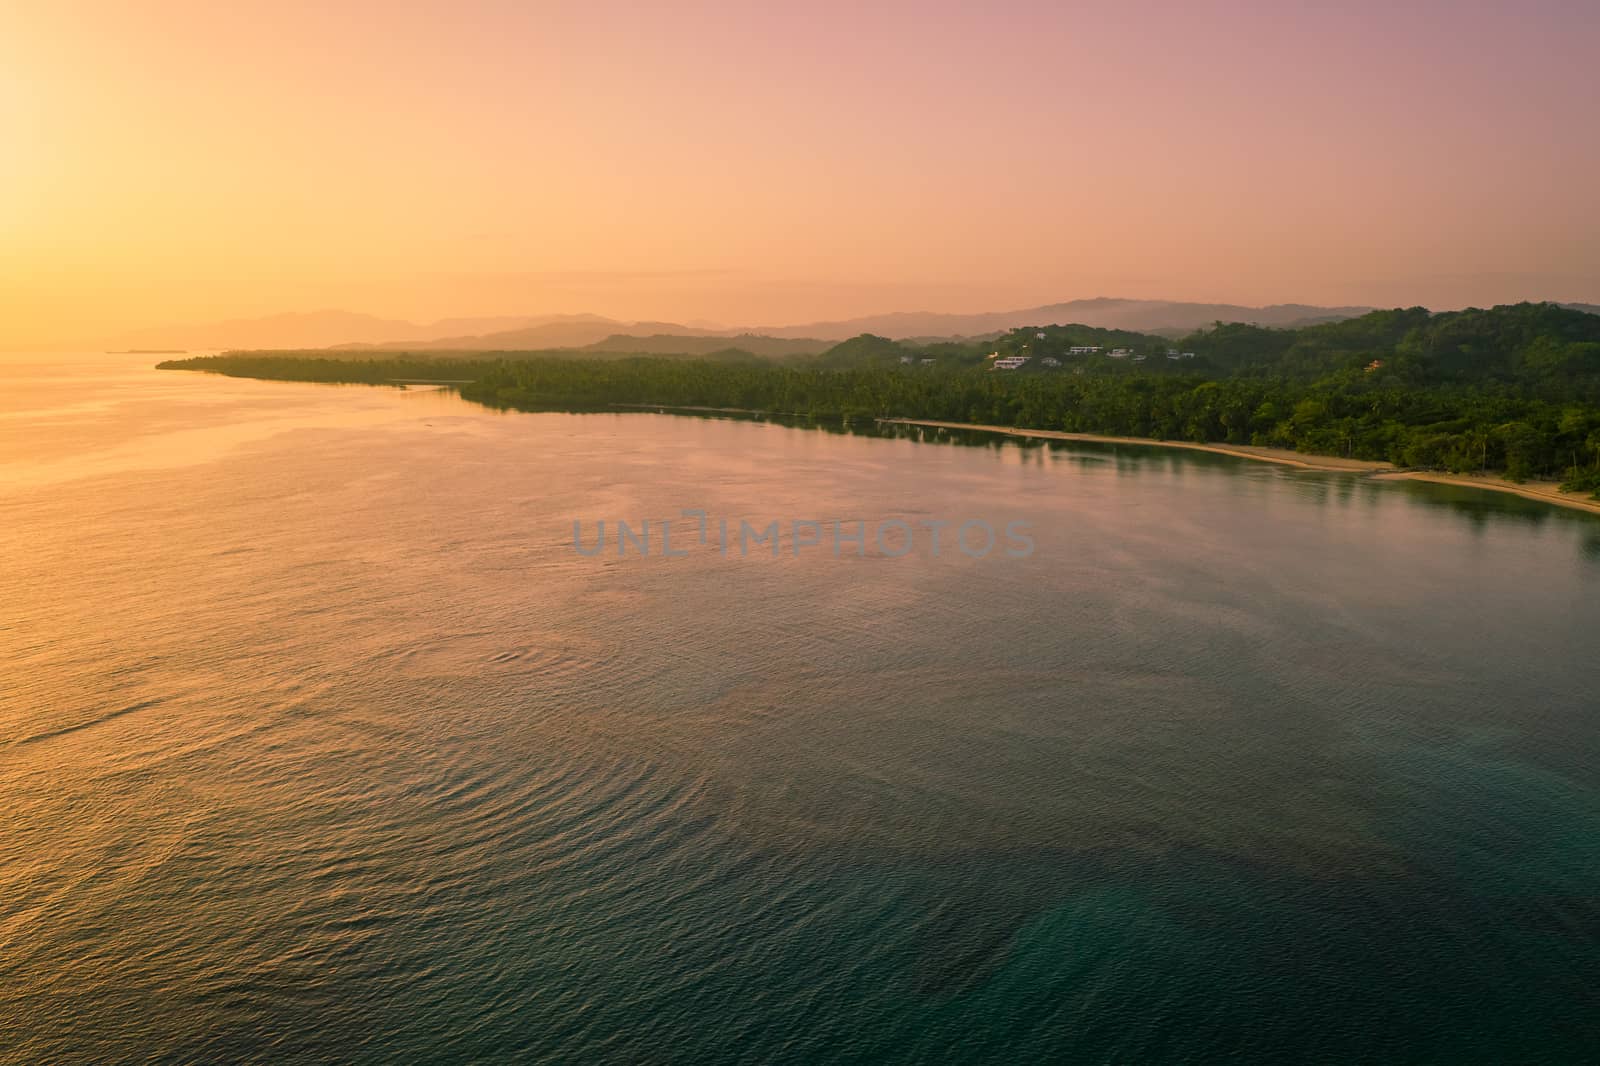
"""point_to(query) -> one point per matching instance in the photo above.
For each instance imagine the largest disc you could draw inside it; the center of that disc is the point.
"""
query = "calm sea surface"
(319, 740)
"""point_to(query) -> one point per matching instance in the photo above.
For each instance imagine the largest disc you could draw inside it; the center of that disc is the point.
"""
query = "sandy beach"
(1544, 491)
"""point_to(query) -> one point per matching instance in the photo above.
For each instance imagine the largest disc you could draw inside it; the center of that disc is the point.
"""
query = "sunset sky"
(763, 164)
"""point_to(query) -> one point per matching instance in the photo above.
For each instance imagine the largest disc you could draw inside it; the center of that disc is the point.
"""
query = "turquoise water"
(318, 741)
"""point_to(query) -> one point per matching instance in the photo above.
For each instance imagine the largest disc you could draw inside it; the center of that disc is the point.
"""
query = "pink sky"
(752, 163)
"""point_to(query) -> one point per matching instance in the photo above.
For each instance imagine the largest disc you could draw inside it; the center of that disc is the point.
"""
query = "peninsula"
(1506, 398)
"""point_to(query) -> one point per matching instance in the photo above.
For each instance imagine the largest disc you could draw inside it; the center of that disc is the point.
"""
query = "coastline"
(1378, 470)
(1281, 456)
(1543, 491)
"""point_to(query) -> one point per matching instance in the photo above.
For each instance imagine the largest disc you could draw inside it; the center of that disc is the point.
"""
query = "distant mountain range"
(349, 330)
(1145, 316)
(1142, 316)
(708, 344)
(326, 329)
(572, 331)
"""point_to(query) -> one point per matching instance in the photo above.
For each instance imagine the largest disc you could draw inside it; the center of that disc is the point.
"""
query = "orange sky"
(757, 164)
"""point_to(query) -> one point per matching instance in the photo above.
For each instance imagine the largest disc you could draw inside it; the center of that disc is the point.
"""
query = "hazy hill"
(868, 349)
(678, 344)
(1141, 316)
(573, 333)
(325, 329)
(565, 331)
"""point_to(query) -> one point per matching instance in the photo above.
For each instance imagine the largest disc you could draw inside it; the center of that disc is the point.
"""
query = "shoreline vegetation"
(1506, 399)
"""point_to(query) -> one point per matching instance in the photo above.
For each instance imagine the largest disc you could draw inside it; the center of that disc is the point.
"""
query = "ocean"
(321, 740)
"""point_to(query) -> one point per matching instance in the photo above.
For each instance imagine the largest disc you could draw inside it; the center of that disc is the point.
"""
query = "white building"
(1010, 362)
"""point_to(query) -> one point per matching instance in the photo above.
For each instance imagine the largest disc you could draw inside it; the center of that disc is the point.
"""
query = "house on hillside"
(1010, 362)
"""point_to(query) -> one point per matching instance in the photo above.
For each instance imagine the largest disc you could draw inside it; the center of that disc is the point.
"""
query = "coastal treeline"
(1513, 389)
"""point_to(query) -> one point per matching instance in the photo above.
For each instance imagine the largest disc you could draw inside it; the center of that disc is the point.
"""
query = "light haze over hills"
(326, 329)
(322, 329)
(1146, 316)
